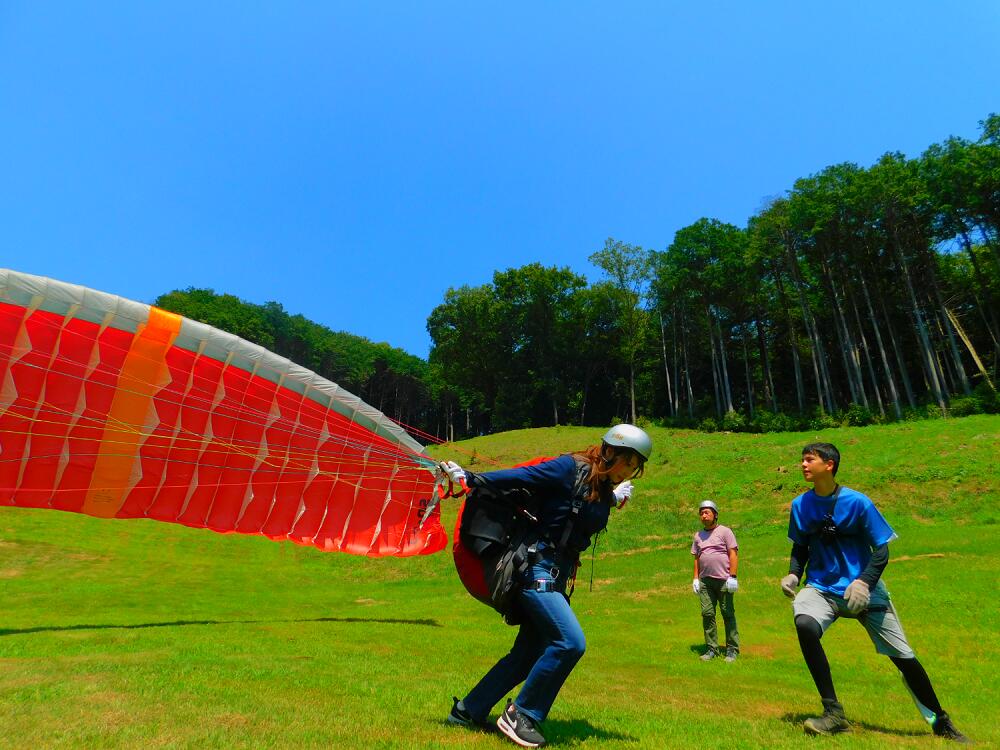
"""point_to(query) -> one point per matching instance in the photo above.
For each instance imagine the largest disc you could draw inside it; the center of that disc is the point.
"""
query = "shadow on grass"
(184, 623)
(561, 729)
(581, 729)
(797, 720)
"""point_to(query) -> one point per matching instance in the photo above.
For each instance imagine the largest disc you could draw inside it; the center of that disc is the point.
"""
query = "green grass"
(144, 634)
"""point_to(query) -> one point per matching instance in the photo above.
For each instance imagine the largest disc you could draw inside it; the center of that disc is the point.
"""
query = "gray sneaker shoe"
(462, 718)
(731, 654)
(709, 655)
(833, 720)
(944, 728)
(519, 727)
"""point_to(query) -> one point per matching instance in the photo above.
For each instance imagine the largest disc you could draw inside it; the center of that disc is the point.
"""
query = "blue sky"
(354, 161)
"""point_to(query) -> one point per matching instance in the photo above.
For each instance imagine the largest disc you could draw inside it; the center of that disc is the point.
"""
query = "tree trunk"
(746, 367)
(794, 342)
(956, 356)
(922, 334)
(728, 391)
(715, 365)
(894, 340)
(631, 389)
(890, 381)
(991, 325)
(971, 348)
(824, 386)
(687, 368)
(666, 366)
(765, 361)
(868, 354)
(848, 350)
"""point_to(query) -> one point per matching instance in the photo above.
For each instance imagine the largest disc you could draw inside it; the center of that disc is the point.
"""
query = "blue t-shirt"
(833, 564)
(553, 482)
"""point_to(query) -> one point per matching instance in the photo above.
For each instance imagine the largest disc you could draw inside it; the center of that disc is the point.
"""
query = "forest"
(862, 295)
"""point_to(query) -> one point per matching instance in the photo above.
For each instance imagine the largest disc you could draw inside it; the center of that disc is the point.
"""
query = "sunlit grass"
(144, 634)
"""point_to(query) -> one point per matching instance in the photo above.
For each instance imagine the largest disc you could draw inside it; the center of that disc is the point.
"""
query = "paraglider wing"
(117, 409)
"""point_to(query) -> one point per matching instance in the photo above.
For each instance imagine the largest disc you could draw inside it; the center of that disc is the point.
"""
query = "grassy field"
(143, 634)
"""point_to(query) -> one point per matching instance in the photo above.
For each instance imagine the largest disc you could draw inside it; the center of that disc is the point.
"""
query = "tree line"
(861, 295)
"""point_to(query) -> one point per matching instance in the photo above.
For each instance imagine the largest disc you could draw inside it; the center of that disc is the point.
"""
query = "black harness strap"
(582, 475)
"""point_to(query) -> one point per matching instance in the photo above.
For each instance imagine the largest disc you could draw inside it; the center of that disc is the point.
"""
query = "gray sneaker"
(519, 727)
(833, 720)
(709, 655)
(731, 654)
(462, 718)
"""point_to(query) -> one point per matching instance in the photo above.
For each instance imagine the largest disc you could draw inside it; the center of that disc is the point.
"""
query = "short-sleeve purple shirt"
(712, 550)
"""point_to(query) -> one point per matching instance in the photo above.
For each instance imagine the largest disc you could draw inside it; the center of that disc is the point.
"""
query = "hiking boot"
(462, 718)
(709, 655)
(833, 720)
(731, 654)
(944, 728)
(520, 727)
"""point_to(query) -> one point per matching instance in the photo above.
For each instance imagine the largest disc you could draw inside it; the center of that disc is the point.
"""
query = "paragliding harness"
(496, 541)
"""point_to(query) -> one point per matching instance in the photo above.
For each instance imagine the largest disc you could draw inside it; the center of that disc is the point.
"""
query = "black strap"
(582, 475)
(836, 495)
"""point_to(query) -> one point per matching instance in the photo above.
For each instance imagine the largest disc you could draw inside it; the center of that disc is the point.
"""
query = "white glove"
(731, 585)
(789, 584)
(696, 586)
(623, 492)
(453, 471)
(857, 596)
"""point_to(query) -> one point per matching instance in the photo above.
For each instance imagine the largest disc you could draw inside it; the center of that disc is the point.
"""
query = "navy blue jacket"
(552, 482)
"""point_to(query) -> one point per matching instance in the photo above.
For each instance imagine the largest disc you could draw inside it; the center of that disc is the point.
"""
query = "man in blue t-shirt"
(841, 541)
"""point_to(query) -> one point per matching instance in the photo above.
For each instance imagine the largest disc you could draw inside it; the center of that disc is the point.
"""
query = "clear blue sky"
(353, 160)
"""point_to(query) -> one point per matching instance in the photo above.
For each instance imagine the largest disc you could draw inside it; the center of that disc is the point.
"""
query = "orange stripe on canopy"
(144, 372)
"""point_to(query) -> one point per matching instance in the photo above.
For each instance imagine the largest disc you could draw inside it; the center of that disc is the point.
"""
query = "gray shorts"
(880, 619)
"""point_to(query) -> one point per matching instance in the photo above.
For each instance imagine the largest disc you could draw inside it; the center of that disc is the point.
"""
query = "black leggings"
(913, 672)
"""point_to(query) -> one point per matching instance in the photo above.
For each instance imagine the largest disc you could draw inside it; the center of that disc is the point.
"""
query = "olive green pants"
(713, 592)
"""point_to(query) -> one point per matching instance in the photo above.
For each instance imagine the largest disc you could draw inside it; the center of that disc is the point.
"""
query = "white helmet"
(629, 436)
(709, 504)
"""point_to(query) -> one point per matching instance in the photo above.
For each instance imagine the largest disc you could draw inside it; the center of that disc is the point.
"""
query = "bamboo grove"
(861, 295)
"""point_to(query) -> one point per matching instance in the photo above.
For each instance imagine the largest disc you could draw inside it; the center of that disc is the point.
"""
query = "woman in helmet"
(575, 493)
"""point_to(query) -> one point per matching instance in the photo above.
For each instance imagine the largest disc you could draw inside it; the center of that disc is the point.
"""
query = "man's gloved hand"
(623, 492)
(857, 596)
(731, 585)
(453, 471)
(789, 584)
(696, 586)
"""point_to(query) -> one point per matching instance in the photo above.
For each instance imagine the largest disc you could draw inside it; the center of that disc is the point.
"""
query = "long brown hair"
(601, 458)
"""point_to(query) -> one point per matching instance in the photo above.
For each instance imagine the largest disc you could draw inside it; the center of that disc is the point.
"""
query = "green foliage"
(708, 424)
(733, 421)
(821, 420)
(766, 421)
(964, 406)
(988, 398)
(857, 415)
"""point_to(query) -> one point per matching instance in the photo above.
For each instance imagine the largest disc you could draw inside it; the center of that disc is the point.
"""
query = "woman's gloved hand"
(623, 492)
(453, 471)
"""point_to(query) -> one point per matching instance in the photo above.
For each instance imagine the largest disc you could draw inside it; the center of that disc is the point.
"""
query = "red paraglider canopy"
(122, 410)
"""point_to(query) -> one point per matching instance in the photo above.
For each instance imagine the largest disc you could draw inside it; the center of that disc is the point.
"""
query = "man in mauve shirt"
(715, 561)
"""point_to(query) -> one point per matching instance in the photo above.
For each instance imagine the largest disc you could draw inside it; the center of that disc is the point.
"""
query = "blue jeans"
(549, 643)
